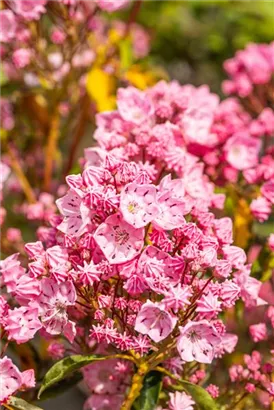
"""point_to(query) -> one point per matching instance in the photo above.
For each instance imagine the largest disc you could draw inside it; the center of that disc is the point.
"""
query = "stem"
(7, 406)
(26, 187)
(79, 132)
(51, 150)
(136, 387)
(133, 14)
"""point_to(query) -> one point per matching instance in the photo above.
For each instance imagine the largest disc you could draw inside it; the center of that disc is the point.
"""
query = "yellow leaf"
(101, 87)
(242, 222)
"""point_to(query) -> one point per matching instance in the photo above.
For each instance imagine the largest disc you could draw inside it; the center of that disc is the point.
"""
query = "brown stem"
(51, 149)
(16, 166)
(133, 14)
(79, 132)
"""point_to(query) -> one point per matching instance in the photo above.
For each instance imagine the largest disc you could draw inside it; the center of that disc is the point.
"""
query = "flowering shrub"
(136, 273)
(142, 268)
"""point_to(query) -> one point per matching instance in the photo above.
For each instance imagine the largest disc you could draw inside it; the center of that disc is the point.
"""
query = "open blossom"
(138, 204)
(242, 152)
(52, 305)
(8, 25)
(153, 320)
(118, 240)
(260, 208)
(10, 379)
(133, 105)
(22, 324)
(197, 341)
(28, 9)
(180, 401)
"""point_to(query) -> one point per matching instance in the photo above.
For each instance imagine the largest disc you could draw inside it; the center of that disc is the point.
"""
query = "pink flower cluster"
(248, 69)
(254, 374)
(187, 130)
(140, 261)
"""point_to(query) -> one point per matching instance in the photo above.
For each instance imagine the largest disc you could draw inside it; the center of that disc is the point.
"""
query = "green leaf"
(20, 404)
(62, 386)
(201, 397)
(149, 396)
(64, 368)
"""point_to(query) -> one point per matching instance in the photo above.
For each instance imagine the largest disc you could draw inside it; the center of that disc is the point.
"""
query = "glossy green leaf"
(65, 367)
(20, 404)
(149, 396)
(62, 386)
(201, 397)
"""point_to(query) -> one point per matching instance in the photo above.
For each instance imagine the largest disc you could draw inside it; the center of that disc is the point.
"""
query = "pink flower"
(242, 151)
(250, 288)
(180, 401)
(213, 390)
(75, 214)
(87, 274)
(153, 320)
(134, 105)
(267, 191)
(234, 255)
(56, 350)
(118, 240)
(197, 341)
(112, 5)
(8, 25)
(260, 208)
(52, 304)
(177, 297)
(258, 332)
(208, 306)
(28, 379)
(138, 204)
(21, 57)
(28, 9)
(10, 379)
(104, 401)
(22, 324)
(58, 36)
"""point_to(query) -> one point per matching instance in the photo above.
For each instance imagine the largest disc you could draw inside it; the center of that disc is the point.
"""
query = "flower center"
(133, 207)
(121, 236)
(193, 336)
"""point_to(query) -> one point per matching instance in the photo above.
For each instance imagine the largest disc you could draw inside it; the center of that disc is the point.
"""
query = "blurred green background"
(191, 39)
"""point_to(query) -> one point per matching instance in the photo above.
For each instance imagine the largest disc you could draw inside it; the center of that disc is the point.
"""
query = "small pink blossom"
(153, 320)
(138, 204)
(180, 401)
(258, 332)
(22, 324)
(118, 240)
(260, 208)
(8, 25)
(10, 379)
(133, 105)
(28, 9)
(28, 379)
(242, 151)
(52, 304)
(112, 5)
(197, 341)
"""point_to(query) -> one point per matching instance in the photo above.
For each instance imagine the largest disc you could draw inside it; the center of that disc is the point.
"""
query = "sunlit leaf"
(64, 368)
(201, 397)
(20, 404)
